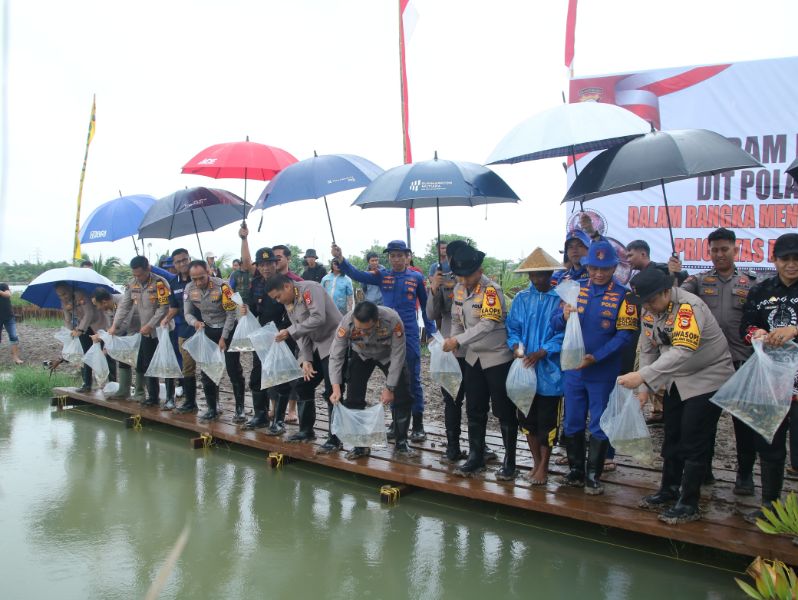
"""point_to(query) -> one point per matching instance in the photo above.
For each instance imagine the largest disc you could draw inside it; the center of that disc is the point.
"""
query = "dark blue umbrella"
(41, 291)
(436, 183)
(191, 211)
(793, 169)
(318, 177)
(116, 219)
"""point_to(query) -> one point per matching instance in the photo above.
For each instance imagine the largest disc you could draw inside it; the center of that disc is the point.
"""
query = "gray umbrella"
(191, 211)
(655, 159)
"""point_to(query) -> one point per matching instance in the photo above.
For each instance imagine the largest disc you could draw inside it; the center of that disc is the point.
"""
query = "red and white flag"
(570, 36)
(407, 23)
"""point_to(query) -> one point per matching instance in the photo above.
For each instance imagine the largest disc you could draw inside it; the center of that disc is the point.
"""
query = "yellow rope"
(207, 440)
(389, 493)
(278, 458)
(136, 422)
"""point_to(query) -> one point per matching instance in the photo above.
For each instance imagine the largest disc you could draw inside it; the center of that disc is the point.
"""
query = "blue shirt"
(529, 323)
(339, 288)
(176, 285)
(573, 273)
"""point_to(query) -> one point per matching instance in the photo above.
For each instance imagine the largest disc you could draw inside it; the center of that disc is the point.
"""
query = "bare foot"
(537, 478)
(291, 418)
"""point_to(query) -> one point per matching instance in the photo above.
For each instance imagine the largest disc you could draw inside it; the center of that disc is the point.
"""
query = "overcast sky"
(174, 77)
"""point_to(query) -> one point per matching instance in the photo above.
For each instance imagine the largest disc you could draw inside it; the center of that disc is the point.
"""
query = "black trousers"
(146, 352)
(358, 373)
(485, 388)
(453, 406)
(775, 451)
(689, 426)
(232, 360)
(306, 390)
(793, 417)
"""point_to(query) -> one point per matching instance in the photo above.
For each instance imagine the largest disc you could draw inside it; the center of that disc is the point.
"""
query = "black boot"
(238, 394)
(260, 404)
(170, 395)
(510, 439)
(85, 375)
(453, 451)
(744, 484)
(401, 419)
(669, 488)
(306, 410)
(475, 463)
(278, 422)
(686, 509)
(575, 449)
(153, 392)
(189, 396)
(330, 445)
(596, 453)
(418, 434)
(772, 481)
(212, 398)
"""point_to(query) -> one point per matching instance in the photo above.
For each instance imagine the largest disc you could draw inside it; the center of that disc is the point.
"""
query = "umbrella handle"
(329, 220)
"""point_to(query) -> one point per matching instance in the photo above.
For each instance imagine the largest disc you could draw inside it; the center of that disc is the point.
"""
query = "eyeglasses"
(179, 261)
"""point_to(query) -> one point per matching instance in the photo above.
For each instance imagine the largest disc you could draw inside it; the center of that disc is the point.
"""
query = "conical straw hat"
(539, 260)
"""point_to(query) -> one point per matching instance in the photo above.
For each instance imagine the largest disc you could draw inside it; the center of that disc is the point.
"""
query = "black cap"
(785, 245)
(310, 253)
(463, 259)
(264, 255)
(647, 284)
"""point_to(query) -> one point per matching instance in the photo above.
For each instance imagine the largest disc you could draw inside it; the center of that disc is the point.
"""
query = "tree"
(105, 267)
(359, 260)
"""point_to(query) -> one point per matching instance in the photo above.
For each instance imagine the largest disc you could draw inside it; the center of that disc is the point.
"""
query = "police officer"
(314, 320)
(208, 306)
(684, 351)
(372, 336)
(181, 261)
(577, 243)
(478, 313)
(608, 324)
(724, 290)
(91, 321)
(146, 295)
(401, 289)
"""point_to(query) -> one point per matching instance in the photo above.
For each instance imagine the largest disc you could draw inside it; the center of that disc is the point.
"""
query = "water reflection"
(96, 509)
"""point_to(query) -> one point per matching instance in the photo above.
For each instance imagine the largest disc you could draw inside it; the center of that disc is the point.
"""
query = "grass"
(35, 382)
(44, 323)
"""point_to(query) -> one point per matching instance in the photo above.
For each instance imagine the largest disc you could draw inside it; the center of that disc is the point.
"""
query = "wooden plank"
(721, 527)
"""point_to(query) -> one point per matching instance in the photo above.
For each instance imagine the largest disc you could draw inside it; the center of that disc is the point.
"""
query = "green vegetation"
(35, 382)
(45, 323)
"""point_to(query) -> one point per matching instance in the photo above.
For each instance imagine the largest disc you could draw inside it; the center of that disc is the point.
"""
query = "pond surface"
(89, 509)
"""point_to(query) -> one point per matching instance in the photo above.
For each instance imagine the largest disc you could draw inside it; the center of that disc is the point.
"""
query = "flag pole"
(406, 150)
(76, 253)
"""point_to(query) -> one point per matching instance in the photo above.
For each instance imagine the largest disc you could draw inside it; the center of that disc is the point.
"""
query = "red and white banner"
(752, 104)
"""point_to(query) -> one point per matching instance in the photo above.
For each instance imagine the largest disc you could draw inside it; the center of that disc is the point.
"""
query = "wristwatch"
(390, 388)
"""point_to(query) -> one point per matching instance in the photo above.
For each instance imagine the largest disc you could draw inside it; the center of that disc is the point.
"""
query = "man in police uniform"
(684, 351)
(608, 325)
(314, 321)
(478, 314)
(181, 261)
(372, 336)
(724, 290)
(146, 295)
(209, 307)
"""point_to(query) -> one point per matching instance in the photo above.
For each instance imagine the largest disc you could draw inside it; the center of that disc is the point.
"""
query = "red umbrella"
(239, 160)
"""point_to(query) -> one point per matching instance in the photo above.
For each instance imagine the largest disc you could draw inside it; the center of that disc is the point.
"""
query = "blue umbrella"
(436, 183)
(318, 177)
(116, 219)
(41, 291)
(191, 211)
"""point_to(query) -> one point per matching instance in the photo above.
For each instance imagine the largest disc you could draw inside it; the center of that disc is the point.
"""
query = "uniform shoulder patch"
(628, 319)
(341, 332)
(685, 330)
(227, 298)
(306, 297)
(491, 306)
(398, 330)
(162, 293)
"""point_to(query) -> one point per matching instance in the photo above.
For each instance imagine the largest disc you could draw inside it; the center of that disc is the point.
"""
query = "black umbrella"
(793, 169)
(191, 211)
(655, 159)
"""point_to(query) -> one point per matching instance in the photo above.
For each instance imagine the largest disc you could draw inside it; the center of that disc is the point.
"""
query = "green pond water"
(89, 509)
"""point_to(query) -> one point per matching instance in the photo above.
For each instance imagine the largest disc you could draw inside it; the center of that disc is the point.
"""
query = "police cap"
(264, 255)
(463, 259)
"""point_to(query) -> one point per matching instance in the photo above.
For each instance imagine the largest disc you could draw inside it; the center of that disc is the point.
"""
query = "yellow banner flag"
(76, 255)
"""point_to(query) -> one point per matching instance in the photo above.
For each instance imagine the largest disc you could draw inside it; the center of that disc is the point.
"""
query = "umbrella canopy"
(192, 210)
(41, 291)
(793, 169)
(116, 219)
(566, 130)
(239, 160)
(318, 177)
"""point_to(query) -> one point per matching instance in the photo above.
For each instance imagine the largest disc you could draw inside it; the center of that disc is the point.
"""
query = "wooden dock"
(722, 526)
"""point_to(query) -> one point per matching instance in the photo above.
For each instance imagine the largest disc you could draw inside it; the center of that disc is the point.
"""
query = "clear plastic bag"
(206, 354)
(573, 345)
(522, 385)
(263, 339)
(760, 392)
(625, 426)
(164, 361)
(123, 348)
(95, 359)
(241, 341)
(363, 428)
(72, 350)
(279, 366)
(443, 366)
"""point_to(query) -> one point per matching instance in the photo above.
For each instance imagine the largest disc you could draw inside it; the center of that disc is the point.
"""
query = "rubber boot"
(189, 396)
(510, 439)
(475, 463)
(278, 423)
(669, 487)
(124, 379)
(153, 392)
(306, 411)
(85, 375)
(332, 443)
(260, 405)
(418, 434)
(138, 393)
(575, 449)
(772, 478)
(238, 394)
(453, 451)
(744, 483)
(391, 432)
(686, 508)
(401, 419)
(212, 398)
(170, 395)
(596, 454)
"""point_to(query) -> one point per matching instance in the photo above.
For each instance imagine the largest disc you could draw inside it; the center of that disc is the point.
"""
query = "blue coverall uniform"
(401, 291)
